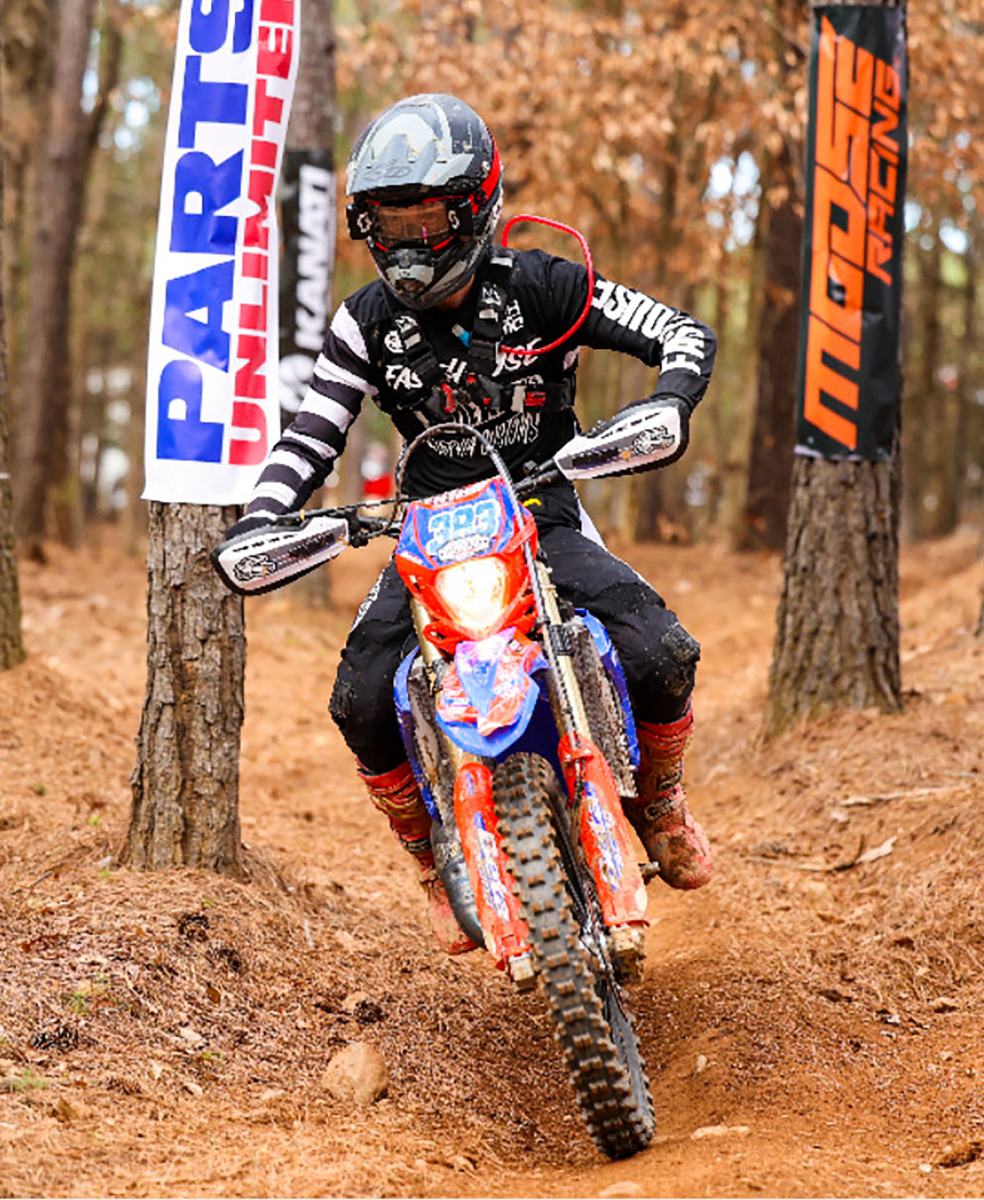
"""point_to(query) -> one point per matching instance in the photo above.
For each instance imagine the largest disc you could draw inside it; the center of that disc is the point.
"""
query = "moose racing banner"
(212, 380)
(307, 213)
(848, 370)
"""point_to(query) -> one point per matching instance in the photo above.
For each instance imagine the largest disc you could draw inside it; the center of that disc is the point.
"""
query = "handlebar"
(363, 528)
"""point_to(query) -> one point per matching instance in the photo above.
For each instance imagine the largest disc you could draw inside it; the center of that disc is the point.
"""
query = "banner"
(848, 369)
(307, 212)
(212, 378)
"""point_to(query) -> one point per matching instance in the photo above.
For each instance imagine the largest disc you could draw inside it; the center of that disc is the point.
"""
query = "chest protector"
(407, 354)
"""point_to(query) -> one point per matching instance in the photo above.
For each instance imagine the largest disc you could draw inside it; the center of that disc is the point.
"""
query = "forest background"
(821, 1001)
(670, 134)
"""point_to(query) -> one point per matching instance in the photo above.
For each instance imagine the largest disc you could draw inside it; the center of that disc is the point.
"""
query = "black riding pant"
(658, 656)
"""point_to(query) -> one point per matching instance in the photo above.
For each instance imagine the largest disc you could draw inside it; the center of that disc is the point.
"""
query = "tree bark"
(46, 386)
(927, 438)
(11, 641)
(774, 426)
(67, 501)
(837, 635)
(837, 627)
(27, 68)
(186, 778)
(650, 488)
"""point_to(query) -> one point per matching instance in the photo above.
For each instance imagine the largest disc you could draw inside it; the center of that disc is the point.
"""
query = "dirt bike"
(516, 719)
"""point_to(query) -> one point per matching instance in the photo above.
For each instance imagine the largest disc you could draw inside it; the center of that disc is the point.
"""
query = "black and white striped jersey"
(545, 297)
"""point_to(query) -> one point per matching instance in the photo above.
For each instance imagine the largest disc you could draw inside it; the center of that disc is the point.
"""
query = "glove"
(249, 522)
(650, 433)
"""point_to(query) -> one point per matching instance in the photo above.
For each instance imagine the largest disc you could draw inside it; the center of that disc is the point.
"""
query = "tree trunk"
(650, 488)
(46, 387)
(926, 410)
(186, 778)
(774, 427)
(312, 113)
(28, 57)
(67, 500)
(837, 628)
(11, 642)
(837, 636)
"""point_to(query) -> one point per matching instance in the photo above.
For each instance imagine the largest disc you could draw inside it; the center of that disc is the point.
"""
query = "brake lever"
(548, 473)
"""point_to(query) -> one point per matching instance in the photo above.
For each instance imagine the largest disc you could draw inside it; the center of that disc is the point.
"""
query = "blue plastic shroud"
(534, 731)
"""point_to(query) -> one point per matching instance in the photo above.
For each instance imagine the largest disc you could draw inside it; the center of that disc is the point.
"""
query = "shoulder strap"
(490, 313)
(411, 348)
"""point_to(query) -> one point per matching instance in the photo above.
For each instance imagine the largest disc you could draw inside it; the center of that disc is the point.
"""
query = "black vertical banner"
(848, 369)
(308, 220)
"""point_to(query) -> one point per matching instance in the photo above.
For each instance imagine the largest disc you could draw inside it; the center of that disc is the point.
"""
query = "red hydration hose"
(591, 278)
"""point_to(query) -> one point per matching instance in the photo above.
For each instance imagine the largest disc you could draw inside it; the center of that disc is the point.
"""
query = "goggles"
(430, 223)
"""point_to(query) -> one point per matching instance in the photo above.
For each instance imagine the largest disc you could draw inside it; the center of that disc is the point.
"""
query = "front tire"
(591, 1021)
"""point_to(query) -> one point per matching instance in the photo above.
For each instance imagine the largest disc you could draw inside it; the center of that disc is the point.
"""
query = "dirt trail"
(811, 1020)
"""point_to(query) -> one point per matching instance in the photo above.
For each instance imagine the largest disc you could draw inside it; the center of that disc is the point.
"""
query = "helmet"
(425, 183)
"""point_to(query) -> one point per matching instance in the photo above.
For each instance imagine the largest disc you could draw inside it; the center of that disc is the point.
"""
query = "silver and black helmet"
(425, 184)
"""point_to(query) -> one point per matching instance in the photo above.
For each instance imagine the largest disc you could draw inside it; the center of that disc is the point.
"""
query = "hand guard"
(259, 560)
(650, 434)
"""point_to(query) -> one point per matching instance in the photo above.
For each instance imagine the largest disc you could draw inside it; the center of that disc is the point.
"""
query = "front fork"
(506, 934)
(603, 834)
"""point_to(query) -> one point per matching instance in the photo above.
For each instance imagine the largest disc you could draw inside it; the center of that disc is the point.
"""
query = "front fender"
(489, 693)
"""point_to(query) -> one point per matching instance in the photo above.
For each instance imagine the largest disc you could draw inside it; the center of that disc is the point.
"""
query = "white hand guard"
(646, 435)
(263, 559)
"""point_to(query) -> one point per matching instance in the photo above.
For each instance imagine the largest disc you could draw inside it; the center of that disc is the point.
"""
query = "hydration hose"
(591, 278)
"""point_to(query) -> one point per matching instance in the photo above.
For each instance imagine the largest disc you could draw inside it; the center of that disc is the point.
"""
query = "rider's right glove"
(650, 433)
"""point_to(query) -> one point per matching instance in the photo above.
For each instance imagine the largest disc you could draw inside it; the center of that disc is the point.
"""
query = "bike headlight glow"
(474, 593)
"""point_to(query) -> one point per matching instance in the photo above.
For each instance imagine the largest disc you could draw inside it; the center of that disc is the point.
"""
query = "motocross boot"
(660, 815)
(397, 796)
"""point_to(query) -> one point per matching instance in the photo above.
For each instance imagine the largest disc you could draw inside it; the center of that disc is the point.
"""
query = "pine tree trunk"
(926, 408)
(11, 642)
(46, 388)
(650, 488)
(837, 627)
(186, 778)
(774, 426)
(837, 636)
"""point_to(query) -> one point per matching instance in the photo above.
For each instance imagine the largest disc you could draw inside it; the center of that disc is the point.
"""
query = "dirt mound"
(811, 1020)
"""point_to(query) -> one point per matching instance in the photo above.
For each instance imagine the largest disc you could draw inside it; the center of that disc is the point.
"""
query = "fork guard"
(506, 933)
(604, 832)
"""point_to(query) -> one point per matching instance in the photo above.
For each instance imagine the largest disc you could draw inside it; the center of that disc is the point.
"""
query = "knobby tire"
(591, 1022)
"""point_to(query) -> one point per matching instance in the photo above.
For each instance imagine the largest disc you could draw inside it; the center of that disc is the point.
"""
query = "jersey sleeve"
(303, 458)
(632, 322)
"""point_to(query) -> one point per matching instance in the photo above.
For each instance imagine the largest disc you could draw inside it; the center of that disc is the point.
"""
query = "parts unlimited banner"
(212, 382)
(848, 370)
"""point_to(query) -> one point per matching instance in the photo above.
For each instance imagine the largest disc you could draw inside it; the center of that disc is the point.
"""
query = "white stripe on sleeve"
(345, 327)
(286, 458)
(333, 412)
(331, 372)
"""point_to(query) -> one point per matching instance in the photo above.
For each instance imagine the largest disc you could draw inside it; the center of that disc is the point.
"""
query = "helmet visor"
(425, 224)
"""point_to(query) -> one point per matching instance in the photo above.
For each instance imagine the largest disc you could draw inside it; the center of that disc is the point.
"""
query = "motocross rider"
(425, 341)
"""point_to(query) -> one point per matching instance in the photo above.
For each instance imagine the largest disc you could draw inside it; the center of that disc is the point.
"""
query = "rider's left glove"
(650, 433)
(250, 522)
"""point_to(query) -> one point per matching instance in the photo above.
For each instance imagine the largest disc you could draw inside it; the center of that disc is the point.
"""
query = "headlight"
(474, 593)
